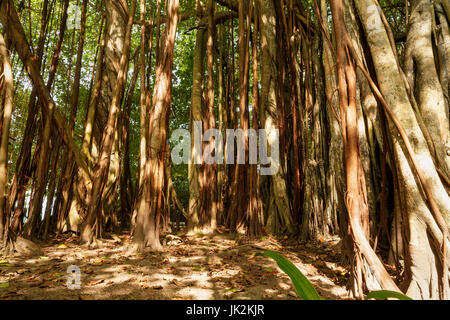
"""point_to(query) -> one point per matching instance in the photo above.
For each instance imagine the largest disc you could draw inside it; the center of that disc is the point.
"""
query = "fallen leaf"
(95, 282)
(115, 237)
(4, 285)
(45, 285)
(198, 268)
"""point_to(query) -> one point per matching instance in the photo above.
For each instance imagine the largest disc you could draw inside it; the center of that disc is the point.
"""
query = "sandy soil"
(216, 267)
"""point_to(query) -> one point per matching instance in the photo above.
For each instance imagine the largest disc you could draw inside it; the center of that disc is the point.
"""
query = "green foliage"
(302, 285)
(385, 294)
(305, 289)
(4, 285)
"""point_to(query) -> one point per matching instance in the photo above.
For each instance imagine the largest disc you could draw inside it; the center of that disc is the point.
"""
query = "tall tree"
(148, 216)
(423, 195)
(88, 234)
(6, 110)
(278, 207)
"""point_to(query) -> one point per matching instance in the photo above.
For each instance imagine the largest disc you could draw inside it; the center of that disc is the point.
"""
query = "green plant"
(385, 294)
(305, 289)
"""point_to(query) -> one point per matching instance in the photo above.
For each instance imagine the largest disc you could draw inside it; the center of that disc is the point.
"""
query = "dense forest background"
(357, 91)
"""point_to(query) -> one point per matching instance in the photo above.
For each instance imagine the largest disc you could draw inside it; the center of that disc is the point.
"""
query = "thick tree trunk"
(367, 269)
(317, 221)
(243, 212)
(255, 219)
(6, 111)
(279, 214)
(422, 191)
(423, 78)
(195, 118)
(335, 206)
(208, 170)
(203, 182)
(149, 212)
(100, 180)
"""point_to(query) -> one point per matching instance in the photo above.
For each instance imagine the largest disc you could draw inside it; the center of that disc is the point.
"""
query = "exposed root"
(20, 246)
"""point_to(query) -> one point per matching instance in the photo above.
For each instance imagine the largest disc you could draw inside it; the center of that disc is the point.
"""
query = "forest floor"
(191, 267)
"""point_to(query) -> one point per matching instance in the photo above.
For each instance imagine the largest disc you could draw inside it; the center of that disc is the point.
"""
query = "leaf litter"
(216, 267)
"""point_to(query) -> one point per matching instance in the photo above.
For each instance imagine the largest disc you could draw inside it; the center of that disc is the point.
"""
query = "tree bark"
(103, 164)
(148, 216)
(7, 110)
(426, 200)
(278, 212)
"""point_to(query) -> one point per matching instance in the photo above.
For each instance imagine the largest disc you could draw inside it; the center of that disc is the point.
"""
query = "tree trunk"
(196, 146)
(102, 167)
(149, 212)
(367, 269)
(6, 110)
(421, 189)
(14, 29)
(278, 212)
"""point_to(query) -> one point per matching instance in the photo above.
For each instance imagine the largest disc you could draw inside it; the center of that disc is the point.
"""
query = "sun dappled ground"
(215, 267)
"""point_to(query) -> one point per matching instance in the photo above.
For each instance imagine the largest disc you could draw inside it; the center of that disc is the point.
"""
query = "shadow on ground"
(215, 267)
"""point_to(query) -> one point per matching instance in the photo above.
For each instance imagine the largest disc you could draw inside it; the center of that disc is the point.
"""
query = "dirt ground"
(206, 268)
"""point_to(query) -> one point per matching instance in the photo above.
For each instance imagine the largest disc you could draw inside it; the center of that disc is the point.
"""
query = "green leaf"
(4, 263)
(198, 268)
(4, 285)
(385, 294)
(302, 285)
